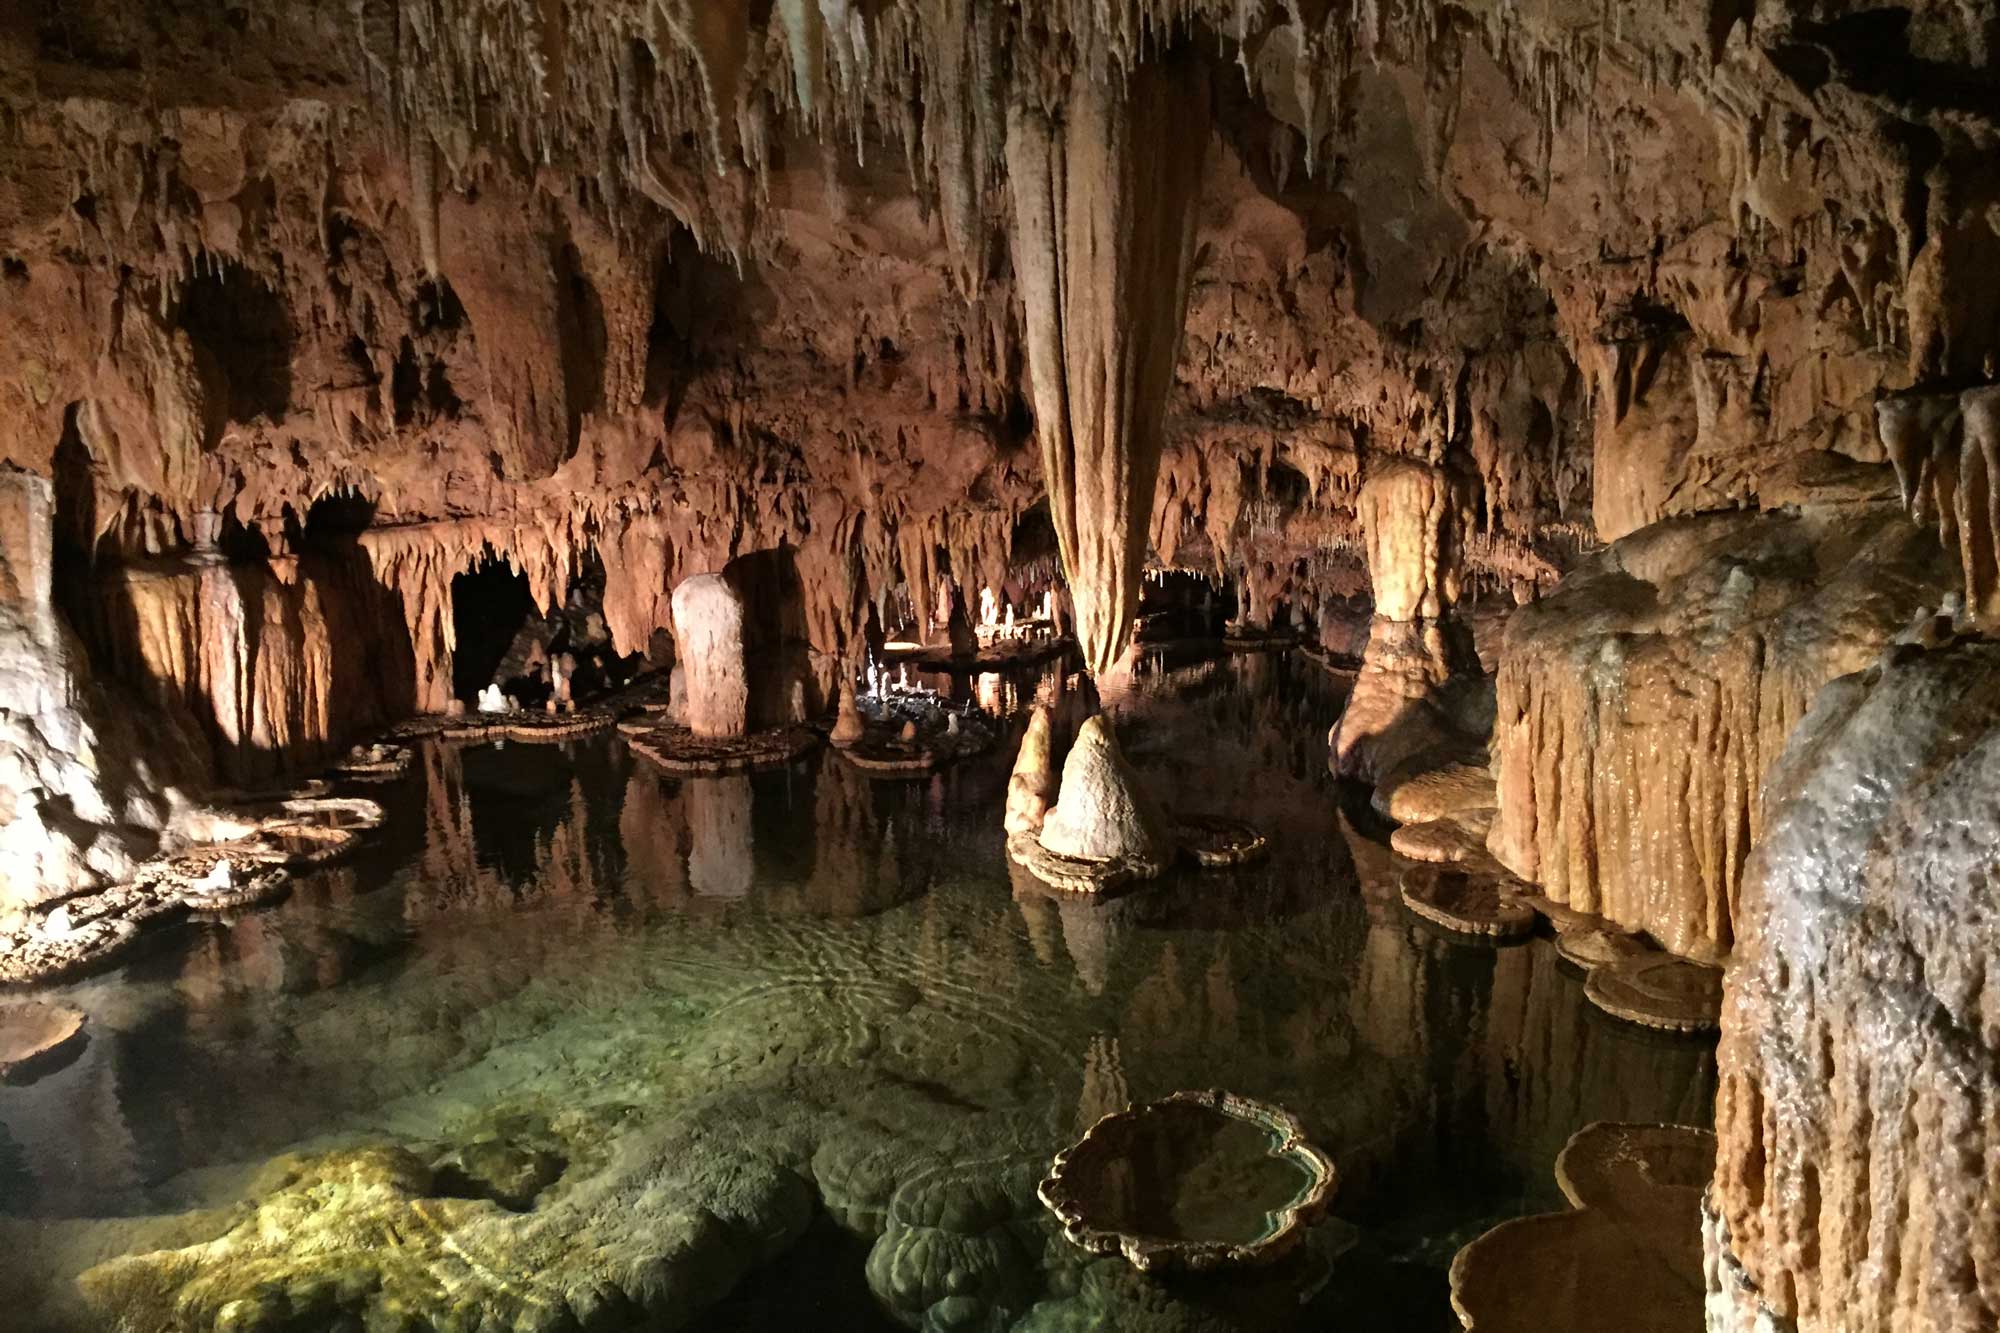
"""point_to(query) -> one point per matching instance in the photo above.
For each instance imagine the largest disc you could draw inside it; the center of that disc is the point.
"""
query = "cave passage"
(491, 607)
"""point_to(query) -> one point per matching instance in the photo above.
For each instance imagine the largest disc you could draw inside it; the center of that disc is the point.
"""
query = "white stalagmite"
(708, 630)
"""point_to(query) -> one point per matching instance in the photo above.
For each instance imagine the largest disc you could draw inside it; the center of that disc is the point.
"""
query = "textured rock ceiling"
(726, 276)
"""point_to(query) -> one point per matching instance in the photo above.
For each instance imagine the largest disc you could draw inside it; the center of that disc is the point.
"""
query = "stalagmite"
(849, 726)
(1416, 702)
(1103, 251)
(708, 632)
(1103, 813)
(1031, 789)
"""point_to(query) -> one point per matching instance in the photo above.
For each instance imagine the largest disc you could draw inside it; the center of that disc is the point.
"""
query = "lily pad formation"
(1194, 1181)
(34, 1036)
(1631, 1243)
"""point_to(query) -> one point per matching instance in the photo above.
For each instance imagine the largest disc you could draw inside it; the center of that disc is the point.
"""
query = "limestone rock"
(1418, 695)
(1455, 840)
(1454, 788)
(708, 625)
(1031, 788)
(1408, 515)
(1657, 991)
(1468, 903)
(1641, 704)
(1104, 252)
(1946, 449)
(848, 725)
(1102, 812)
(1859, 1059)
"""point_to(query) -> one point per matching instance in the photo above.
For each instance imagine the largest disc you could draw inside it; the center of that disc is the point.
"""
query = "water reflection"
(812, 994)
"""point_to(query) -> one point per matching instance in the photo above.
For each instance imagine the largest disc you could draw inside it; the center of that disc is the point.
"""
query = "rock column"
(1401, 709)
(708, 631)
(1103, 253)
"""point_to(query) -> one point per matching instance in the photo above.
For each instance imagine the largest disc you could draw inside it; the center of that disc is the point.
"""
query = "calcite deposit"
(1642, 704)
(1596, 384)
(1854, 1186)
(708, 614)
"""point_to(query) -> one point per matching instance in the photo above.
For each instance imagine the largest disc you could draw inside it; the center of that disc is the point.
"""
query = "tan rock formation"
(849, 726)
(1103, 250)
(1417, 702)
(1854, 1183)
(1414, 703)
(708, 632)
(1946, 448)
(1103, 814)
(1031, 788)
(1410, 520)
(274, 666)
(1642, 703)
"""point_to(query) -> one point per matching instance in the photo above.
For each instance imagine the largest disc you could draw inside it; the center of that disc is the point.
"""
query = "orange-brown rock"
(1641, 705)
(1854, 1180)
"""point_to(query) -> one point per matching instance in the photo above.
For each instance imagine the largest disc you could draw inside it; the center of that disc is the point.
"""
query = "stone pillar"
(708, 629)
(27, 508)
(1401, 709)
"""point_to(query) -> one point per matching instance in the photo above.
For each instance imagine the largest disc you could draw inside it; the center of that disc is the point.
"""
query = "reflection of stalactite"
(1104, 1088)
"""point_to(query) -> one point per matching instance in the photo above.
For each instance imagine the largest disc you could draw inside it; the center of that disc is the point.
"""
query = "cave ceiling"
(743, 273)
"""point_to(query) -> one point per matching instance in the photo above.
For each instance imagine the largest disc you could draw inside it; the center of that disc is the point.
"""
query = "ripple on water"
(520, 1058)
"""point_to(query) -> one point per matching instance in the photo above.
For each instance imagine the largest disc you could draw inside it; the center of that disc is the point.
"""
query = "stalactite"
(1103, 237)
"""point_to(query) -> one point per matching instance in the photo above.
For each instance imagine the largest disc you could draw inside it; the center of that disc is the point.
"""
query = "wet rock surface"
(1856, 1073)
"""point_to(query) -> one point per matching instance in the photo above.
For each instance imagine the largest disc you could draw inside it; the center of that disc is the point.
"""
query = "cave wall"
(681, 284)
(1854, 1186)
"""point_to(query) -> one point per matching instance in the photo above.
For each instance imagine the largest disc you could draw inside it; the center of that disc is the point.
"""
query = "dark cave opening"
(505, 639)
(490, 604)
(336, 519)
(242, 326)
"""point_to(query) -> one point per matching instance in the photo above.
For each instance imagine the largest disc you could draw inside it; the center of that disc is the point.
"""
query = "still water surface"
(571, 1040)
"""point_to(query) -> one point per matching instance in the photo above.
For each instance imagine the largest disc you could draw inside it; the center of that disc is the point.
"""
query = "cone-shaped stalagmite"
(1102, 813)
(1103, 249)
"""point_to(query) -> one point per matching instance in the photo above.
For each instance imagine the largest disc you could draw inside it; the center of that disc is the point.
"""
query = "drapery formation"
(1104, 186)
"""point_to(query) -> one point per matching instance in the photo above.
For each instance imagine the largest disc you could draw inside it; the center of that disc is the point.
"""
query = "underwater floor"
(574, 1045)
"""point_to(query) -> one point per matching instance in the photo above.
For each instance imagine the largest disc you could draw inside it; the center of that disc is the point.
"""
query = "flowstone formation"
(1641, 706)
(1853, 1185)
